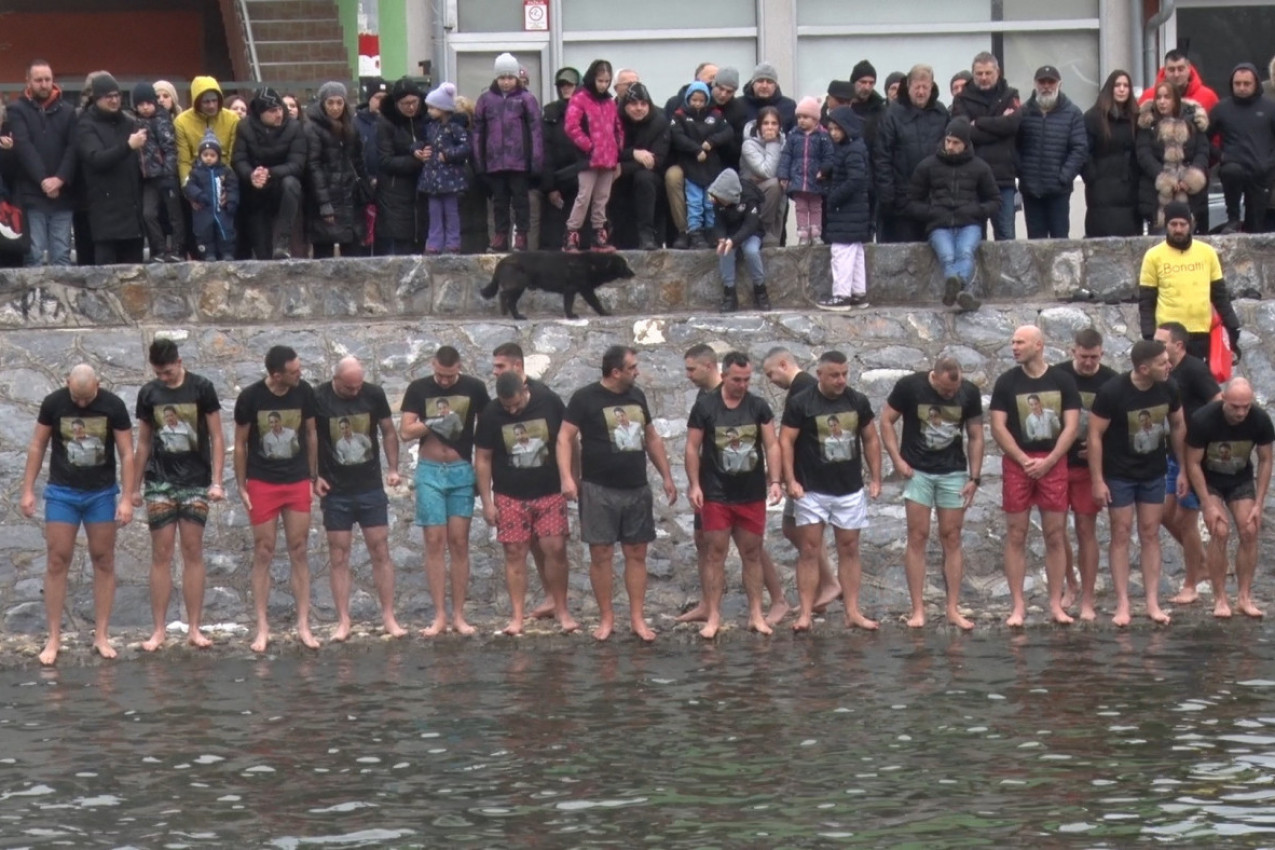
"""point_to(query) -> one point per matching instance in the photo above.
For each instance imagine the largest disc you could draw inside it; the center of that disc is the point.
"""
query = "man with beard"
(994, 111)
(269, 160)
(43, 136)
(207, 112)
(1052, 148)
(635, 196)
(1243, 132)
(562, 166)
(763, 90)
(911, 130)
(1181, 74)
(1181, 281)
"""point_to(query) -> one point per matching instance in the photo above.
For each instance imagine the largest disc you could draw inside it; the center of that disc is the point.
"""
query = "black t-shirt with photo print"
(1196, 384)
(348, 431)
(449, 412)
(277, 436)
(1034, 407)
(612, 435)
(828, 455)
(1088, 386)
(181, 447)
(732, 466)
(1137, 435)
(1228, 449)
(934, 426)
(83, 438)
(523, 446)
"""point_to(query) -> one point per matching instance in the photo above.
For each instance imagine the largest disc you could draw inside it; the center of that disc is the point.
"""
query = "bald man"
(81, 490)
(1035, 412)
(1221, 438)
(350, 415)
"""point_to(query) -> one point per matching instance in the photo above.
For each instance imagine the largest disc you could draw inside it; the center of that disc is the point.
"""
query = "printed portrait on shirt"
(627, 427)
(736, 448)
(837, 433)
(278, 429)
(1227, 457)
(1148, 428)
(445, 415)
(351, 438)
(85, 439)
(1086, 404)
(526, 443)
(176, 425)
(1041, 415)
(940, 425)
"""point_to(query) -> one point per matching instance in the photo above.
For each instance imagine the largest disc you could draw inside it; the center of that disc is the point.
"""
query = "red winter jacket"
(1195, 90)
(593, 124)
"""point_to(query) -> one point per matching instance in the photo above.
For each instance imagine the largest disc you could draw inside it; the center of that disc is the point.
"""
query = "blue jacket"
(204, 187)
(805, 156)
(847, 218)
(444, 173)
(365, 123)
(1052, 148)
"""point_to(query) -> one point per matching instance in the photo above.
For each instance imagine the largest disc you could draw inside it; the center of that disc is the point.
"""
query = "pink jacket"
(593, 124)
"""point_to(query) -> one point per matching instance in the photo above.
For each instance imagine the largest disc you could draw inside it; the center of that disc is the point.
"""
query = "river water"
(1047, 738)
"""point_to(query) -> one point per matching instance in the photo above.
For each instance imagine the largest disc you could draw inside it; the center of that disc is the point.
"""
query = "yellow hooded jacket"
(191, 125)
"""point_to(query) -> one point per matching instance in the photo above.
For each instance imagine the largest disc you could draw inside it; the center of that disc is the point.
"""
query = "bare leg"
(1118, 556)
(951, 520)
(918, 517)
(263, 542)
(191, 535)
(1149, 537)
(1246, 558)
(377, 539)
(545, 609)
(163, 542)
(829, 586)
(712, 563)
(554, 552)
(101, 539)
(851, 574)
(809, 542)
(1072, 588)
(436, 577)
(601, 563)
(1184, 526)
(339, 573)
(60, 537)
(779, 606)
(1216, 560)
(1087, 561)
(296, 526)
(1016, 566)
(1054, 526)
(458, 546)
(699, 613)
(751, 554)
(516, 582)
(635, 583)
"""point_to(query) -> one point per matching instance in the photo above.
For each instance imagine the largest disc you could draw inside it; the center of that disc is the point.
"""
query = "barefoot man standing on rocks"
(351, 417)
(81, 489)
(181, 453)
(1220, 442)
(616, 504)
(733, 467)
(1035, 417)
(276, 463)
(828, 433)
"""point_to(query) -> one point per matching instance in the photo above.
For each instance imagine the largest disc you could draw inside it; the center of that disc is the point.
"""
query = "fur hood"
(1191, 111)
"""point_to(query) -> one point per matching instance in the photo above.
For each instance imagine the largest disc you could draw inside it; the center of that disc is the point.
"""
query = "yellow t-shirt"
(1184, 279)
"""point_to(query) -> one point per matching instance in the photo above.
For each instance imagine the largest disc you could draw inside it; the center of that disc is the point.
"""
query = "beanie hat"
(863, 69)
(727, 77)
(637, 93)
(765, 71)
(841, 90)
(375, 86)
(696, 86)
(264, 100)
(894, 77)
(443, 97)
(103, 84)
(331, 89)
(959, 128)
(144, 93)
(404, 87)
(506, 65)
(209, 142)
(165, 87)
(726, 187)
(808, 106)
(567, 75)
(961, 75)
(1177, 209)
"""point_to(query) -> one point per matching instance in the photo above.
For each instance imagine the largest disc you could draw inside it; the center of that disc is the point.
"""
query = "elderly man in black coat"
(910, 131)
(994, 112)
(269, 160)
(1052, 149)
(107, 141)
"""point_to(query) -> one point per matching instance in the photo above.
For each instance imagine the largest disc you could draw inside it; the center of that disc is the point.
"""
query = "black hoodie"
(1243, 129)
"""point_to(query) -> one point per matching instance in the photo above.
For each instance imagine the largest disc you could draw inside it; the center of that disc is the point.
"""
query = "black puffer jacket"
(847, 218)
(44, 146)
(112, 176)
(400, 214)
(654, 135)
(870, 112)
(563, 160)
(1051, 148)
(282, 150)
(953, 190)
(907, 134)
(1243, 129)
(786, 105)
(339, 184)
(1111, 177)
(995, 134)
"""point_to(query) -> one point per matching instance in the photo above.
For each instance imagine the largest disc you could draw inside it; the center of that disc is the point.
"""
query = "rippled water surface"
(1049, 738)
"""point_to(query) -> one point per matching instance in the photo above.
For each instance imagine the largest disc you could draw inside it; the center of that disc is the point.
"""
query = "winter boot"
(602, 241)
(730, 301)
(761, 299)
(571, 244)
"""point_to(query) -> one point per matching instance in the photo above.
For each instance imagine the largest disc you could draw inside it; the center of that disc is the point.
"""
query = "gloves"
(1234, 334)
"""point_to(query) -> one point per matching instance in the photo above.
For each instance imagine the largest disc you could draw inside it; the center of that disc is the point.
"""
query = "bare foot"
(435, 628)
(1088, 614)
(342, 632)
(49, 655)
(1061, 617)
(711, 627)
(917, 620)
(603, 631)
(1069, 595)
(760, 625)
(392, 628)
(1158, 615)
(1248, 609)
(543, 611)
(567, 623)
(1015, 619)
(961, 622)
(826, 598)
(103, 647)
(1185, 596)
(261, 641)
(1122, 618)
(698, 614)
(198, 639)
(642, 630)
(855, 619)
(463, 627)
(1222, 609)
(514, 627)
(155, 641)
(307, 639)
(778, 610)
(802, 624)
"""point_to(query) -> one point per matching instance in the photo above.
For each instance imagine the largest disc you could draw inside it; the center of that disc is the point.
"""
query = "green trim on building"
(348, 11)
(394, 62)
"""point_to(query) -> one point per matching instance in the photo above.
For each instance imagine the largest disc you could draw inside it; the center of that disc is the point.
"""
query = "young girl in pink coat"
(593, 124)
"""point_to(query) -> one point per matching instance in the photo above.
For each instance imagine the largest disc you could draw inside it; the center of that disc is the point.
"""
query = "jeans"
(955, 247)
(699, 209)
(50, 232)
(1048, 217)
(1003, 221)
(751, 248)
(444, 224)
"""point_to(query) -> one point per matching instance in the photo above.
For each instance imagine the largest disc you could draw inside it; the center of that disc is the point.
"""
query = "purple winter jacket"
(506, 132)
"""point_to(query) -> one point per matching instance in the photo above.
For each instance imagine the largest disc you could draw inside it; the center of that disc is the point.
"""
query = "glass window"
(665, 66)
(474, 71)
(1074, 54)
(655, 15)
(848, 13)
(1048, 10)
(822, 59)
(488, 16)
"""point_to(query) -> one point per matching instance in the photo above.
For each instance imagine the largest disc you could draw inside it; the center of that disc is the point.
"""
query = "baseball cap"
(1048, 72)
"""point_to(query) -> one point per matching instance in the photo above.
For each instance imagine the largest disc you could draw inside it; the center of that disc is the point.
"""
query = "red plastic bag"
(1219, 350)
(369, 218)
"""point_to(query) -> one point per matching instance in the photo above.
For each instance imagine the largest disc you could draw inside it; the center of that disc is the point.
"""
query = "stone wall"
(394, 313)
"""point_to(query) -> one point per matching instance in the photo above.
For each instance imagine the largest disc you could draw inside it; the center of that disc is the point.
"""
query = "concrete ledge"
(667, 282)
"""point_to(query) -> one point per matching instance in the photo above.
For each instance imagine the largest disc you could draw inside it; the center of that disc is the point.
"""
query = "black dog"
(554, 271)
